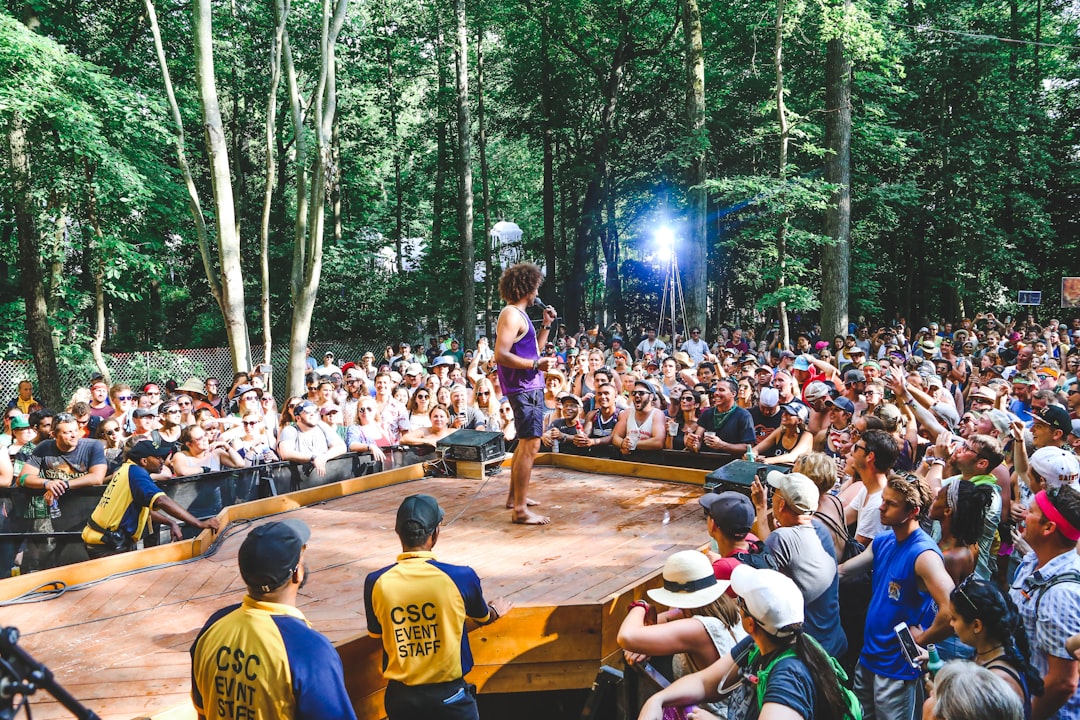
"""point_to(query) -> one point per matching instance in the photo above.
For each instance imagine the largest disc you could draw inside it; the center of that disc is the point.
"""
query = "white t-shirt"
(869, 507)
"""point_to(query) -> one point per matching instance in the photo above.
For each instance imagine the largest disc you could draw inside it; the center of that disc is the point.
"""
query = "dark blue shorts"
(528, 413)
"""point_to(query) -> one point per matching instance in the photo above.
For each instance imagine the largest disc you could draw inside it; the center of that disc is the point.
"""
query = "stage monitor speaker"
(473, 445)
(738, 475)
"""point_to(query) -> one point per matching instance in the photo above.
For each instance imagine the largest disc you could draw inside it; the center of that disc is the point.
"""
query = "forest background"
(187, 174)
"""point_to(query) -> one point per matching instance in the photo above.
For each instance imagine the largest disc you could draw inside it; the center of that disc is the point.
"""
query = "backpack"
(854, 708)
(1041, 587)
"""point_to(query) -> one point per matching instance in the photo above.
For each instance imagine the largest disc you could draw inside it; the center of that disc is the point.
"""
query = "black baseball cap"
(418, 513)
(271, 552)
(1056, 417)
(146, 448)
(731, 511)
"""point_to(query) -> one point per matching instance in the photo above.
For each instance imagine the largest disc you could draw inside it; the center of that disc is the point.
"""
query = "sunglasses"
(125, 397)
(112, 431)
(962, 587)
(422, 396)
(185, 404)
(507, 411)
(639, 393)
(483, 394)
(365, 409)
(252, 423)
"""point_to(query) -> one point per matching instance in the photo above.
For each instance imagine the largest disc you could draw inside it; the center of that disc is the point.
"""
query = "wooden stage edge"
(535, 648)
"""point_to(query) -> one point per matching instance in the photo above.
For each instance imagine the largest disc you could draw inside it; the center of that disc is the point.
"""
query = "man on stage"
(521, 371)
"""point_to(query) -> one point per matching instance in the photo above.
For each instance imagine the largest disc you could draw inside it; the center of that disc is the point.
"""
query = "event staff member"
(130, 499)
(261, 659)
(418, 607)
(517, 354)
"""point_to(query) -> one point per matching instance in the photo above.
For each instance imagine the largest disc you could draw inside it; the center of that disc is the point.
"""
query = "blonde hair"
(820, 468)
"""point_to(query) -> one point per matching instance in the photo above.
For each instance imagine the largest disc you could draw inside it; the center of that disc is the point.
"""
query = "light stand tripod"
(21, 676)
(672, 304)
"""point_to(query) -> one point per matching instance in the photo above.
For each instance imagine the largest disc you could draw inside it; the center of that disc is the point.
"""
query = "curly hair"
(976, 599)
(968, 516)
(519, 281)
(914, 489)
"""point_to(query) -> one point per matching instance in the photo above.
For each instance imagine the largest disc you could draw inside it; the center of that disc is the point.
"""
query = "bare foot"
(530, 518)
(529, 502)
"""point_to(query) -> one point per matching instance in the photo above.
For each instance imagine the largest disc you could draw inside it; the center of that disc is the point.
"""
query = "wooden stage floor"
(121, 645)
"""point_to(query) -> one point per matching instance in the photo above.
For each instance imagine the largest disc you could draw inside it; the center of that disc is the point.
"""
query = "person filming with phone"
(909, 574)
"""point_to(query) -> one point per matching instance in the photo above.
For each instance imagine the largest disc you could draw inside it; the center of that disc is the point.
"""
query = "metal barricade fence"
(159, 366)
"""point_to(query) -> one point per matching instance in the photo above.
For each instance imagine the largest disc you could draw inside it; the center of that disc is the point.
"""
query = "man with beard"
(724, 427)
(130, 499)
(261, 658)
(58, 464)
(975, 460)
(643, 427)
(309, 441)
(418, 607)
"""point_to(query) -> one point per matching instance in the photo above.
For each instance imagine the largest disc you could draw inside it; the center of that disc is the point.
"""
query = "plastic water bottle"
(750, 457)
(935, 662)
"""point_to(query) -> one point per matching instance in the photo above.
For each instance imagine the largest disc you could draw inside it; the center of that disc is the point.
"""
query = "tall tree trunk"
(547, 106)
(194, 205)
(96, 264)
(38, 332)
(781, 170)
(489, 281)
(695, 249)
(465, 193)
(591, 221)
(281, 14)
(232, 279)
(836, 256)
(613, 297)
(392, 104)
(307, 260)
(440, 139)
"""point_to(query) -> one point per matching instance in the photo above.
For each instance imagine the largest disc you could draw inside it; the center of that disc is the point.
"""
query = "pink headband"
(1064, 526)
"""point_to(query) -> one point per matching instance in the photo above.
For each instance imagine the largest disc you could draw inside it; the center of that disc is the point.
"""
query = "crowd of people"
(934, 487)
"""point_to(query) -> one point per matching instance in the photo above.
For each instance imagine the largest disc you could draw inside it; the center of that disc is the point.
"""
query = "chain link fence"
(160, 366)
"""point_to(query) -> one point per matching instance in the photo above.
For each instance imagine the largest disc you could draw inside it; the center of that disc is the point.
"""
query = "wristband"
(493, 612)
(638, 603)
(536, 364)
(935, 461)
(545, 327)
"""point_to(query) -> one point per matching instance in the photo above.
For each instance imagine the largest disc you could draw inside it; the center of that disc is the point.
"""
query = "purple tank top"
(514, 380)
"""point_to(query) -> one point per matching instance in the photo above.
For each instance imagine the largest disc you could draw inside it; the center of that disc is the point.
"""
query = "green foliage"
(964, 182)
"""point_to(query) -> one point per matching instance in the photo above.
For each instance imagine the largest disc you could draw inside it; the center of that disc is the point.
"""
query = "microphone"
(537, 302)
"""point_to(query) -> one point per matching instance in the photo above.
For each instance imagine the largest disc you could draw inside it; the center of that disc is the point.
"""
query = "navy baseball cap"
(146, 448)
(731, 511)
(271, 552)
(418, 512)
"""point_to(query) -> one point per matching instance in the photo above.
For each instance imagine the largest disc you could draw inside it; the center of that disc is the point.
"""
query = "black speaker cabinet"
(473, 445)
(738, 475)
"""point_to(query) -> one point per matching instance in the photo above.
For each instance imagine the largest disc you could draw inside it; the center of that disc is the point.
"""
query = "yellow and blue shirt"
(263, 661)
(125, 504)
(418, 607)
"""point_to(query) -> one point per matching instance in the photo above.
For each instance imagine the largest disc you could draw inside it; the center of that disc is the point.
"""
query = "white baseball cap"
(773, 600)
(1056, 466)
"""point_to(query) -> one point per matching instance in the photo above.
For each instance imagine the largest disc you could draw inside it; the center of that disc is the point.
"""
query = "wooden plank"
(570, 581)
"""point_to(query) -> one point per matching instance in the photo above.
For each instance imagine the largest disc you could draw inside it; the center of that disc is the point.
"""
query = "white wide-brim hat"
(689, 582)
